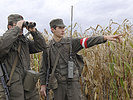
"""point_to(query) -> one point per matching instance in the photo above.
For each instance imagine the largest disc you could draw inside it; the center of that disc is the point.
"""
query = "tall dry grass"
(108, 70)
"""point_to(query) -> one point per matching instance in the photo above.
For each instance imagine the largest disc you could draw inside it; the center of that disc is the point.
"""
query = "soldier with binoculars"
(15, 50)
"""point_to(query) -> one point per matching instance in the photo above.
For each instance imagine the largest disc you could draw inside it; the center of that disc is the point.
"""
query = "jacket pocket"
(30, 80)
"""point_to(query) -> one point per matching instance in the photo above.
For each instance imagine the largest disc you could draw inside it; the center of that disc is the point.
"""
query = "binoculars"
(29, 24)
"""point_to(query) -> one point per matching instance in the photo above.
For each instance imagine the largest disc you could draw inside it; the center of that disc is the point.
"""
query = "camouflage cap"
(57, 22)
(14, 18)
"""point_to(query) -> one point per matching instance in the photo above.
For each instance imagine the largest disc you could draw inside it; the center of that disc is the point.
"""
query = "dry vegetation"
(108, 70)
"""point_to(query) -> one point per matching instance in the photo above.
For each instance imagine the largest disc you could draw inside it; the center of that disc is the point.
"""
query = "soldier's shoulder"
(67, 39)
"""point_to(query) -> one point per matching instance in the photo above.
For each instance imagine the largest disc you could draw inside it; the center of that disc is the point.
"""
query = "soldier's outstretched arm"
(80, 43)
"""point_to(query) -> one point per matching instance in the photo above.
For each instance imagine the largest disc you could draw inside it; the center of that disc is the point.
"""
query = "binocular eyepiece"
(29, 24)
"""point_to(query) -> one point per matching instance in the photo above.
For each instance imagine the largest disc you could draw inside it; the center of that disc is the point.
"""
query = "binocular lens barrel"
(29, 24)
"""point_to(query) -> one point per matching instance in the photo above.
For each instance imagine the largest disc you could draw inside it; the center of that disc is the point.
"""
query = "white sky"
(86, 12)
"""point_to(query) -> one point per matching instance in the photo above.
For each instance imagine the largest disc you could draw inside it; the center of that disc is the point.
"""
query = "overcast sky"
(86, 12)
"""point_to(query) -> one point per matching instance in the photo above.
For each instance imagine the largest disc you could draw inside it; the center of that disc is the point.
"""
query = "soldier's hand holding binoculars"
(20, 24)
(28, 25)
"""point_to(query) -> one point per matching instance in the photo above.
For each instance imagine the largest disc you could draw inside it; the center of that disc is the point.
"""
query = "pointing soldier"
(66, 88)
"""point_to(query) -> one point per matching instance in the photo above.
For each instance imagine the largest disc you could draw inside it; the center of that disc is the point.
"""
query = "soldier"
(66, 88)
(9, 44)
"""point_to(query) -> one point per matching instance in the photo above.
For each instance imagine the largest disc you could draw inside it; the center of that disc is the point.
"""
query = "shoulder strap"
(14, 65)
(55, 64)
(56, 61)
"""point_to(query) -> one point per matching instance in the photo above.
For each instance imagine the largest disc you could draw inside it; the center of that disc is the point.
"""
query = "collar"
(54, 42)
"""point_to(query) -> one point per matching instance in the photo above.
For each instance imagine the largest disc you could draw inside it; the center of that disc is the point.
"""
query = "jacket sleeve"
(80, 43)
(44, 68)
(6, 41)
(91, 41)
(37, 44)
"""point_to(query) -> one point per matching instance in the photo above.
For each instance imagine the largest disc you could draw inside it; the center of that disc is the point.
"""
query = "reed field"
(108, 69)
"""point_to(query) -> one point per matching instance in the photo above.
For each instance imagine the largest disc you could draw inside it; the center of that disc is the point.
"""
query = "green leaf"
(111, 68)
(121, 82)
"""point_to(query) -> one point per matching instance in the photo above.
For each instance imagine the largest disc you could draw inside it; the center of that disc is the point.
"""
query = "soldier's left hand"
(115, 38)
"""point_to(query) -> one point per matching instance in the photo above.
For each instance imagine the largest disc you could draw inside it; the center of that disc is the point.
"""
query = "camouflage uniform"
(9, 43)
(68, 89)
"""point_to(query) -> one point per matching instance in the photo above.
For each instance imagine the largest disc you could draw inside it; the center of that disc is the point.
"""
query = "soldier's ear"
(9, 26)
(52, 30)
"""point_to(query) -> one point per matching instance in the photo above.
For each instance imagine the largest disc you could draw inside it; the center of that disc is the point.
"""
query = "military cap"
(57, 22)
(14, 18)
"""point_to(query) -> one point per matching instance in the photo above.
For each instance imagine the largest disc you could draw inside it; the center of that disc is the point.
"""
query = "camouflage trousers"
(68, 91)
(17, 92)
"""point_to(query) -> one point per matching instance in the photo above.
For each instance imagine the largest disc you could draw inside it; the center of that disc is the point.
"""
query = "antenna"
(71, 63)
(71, 33)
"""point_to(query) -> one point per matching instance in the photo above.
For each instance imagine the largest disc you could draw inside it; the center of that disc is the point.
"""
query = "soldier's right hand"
(43, 90)
(20, 24)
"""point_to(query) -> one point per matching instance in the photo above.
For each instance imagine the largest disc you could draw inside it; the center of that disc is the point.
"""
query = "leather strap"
(55, 64)
(14, 65)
